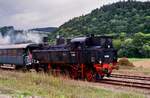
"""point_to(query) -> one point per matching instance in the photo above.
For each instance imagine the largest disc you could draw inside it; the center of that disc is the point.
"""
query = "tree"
(146, 50)
(117, 43)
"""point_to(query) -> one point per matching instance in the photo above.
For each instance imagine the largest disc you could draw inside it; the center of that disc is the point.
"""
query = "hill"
(128, 20)
(124, 16)
(6, 29)
(46, 29)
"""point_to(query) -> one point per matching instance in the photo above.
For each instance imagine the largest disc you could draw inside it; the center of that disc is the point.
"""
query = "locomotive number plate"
(106, 56)
(73, 53)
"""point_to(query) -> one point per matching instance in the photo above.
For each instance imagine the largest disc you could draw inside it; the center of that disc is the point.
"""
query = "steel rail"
(135, 77)
(126, 83)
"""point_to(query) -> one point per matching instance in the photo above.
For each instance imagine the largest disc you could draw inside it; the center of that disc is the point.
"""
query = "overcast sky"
(25, 14)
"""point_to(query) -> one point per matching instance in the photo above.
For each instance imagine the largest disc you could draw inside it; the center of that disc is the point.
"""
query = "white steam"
(4, 40)
(21, 37)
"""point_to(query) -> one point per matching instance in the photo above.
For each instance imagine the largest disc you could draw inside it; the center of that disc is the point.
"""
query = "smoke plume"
(12, 37)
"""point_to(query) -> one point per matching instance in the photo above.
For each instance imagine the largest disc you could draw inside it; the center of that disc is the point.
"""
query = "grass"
(138, 59)
(31, 84)
(135, 70)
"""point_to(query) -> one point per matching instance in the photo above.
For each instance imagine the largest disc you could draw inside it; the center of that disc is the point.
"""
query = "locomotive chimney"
(68, 41)
(92, 35)
(60, 41)
(45, 40)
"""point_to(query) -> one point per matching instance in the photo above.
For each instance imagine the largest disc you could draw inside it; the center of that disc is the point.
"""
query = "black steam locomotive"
(83, 57)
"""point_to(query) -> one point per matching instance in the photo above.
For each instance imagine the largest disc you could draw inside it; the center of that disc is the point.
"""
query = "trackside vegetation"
(20, 85)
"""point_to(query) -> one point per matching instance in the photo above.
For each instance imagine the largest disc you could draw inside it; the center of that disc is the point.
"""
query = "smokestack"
(45, 40)
(60, 41)
(68, 41)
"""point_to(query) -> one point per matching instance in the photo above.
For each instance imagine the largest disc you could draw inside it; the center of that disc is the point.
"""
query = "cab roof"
(83, 39)
(79, 39)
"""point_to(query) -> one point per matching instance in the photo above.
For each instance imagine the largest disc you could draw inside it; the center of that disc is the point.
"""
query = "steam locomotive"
(90, 58)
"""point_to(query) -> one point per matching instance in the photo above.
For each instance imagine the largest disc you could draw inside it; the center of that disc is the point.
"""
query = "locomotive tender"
(88, 58)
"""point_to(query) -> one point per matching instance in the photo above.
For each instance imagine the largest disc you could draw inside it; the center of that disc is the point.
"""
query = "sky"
(26, 14)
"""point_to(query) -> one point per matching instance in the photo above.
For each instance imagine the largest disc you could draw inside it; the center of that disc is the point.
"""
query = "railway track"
(140, 82)
(131, 77)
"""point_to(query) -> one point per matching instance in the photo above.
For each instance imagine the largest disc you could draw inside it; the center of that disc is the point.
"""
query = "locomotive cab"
(101, 41)
(106, 42)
